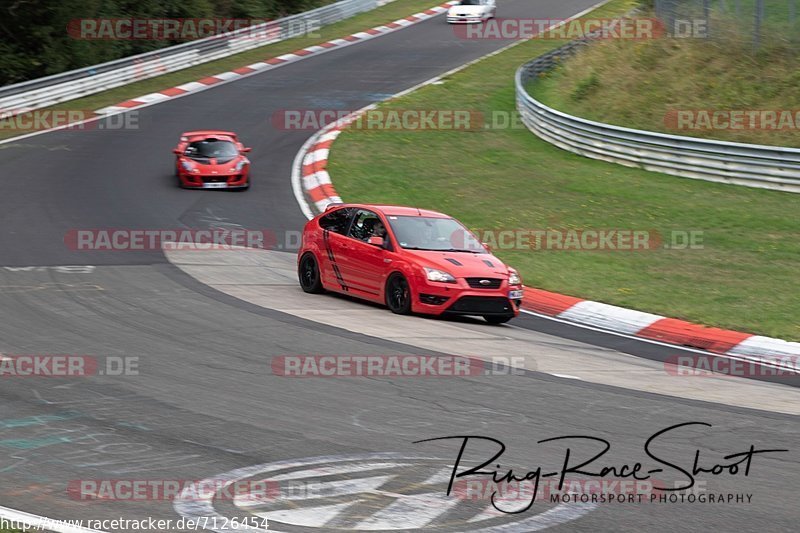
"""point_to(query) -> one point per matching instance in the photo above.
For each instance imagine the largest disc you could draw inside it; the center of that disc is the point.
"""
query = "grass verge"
(646, 84)
(744, 277)
(382, 15)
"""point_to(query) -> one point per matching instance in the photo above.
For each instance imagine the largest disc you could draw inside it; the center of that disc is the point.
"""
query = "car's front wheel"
(398, 294)
(492, 319)
(308, 274)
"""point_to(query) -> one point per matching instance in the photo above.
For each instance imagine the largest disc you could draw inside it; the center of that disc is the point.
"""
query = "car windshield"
(209, 148)
(431, 233)
(470, 3)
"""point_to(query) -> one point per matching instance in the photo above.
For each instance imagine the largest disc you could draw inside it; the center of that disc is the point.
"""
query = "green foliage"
(640, 84)
(585, 86)
(34, 41)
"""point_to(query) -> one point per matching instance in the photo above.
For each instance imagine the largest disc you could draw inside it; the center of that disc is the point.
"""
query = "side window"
(365, 225)
(336, 221)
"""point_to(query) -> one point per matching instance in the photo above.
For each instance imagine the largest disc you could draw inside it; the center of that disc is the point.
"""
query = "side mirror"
(489, 248)
(176, 151)
(245, 150)
(376, 241)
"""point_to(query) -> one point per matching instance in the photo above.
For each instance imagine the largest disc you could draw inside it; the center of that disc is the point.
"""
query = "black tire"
(492, 319)
(308, 275)
(398, 295)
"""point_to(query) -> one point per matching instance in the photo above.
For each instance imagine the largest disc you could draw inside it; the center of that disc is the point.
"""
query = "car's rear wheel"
(491, 319)
(398, 294)
(308, 274)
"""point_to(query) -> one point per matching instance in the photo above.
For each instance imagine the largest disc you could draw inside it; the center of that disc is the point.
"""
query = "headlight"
(439, 275)
(188, 167)
(514, 279)
(240, 165)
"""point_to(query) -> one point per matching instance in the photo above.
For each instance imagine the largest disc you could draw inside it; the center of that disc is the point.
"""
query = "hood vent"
(454, 261)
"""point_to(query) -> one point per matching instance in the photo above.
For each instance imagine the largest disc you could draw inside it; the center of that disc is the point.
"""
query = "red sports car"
(211, 159)
(413, 260)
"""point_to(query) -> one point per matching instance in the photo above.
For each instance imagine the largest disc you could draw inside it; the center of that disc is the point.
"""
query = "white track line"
(298, 160)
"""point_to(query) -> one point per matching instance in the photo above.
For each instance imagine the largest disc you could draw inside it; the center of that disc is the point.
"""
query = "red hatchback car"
(412, 260)
(211, 159)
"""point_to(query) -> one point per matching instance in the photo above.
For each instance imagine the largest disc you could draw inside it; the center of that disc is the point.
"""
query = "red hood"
(210, 165)
(470, 265)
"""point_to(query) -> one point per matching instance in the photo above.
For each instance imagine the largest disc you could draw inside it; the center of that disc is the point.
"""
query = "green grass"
(382, 15)
(638, 83)
(744, 278)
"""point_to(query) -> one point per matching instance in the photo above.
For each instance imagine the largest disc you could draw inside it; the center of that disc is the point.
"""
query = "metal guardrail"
(42, 92)
(752, 165)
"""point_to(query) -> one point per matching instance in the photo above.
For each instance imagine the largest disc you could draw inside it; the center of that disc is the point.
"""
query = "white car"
(471, 11)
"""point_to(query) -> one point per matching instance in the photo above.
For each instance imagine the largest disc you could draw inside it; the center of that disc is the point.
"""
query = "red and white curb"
(311, 166)
(275, 62)
(310, 178)
(656, 327)
(311, 169)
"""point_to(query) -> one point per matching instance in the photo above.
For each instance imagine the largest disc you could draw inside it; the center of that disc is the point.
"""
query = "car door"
(335, 247)
(363, 264)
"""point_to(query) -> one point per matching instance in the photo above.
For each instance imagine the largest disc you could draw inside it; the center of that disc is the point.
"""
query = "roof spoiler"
(209, 133)
(332, 205)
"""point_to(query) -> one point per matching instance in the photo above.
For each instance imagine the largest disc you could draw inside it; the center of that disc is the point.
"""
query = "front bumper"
(460, 299)
(214, 181)
(464, 20)
(484, 306)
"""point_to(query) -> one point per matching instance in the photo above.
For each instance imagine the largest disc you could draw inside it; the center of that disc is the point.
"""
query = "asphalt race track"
(206, 401)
